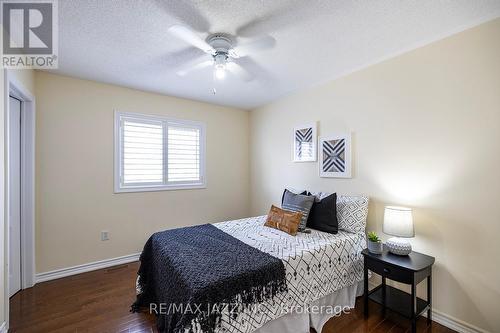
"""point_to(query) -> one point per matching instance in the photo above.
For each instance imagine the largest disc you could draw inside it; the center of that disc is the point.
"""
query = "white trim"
(13, 87)
(160, 188)
(453, 323)
(17, 90)
(91, 266)
(444, 319)
(165, 186)
(437, 316)
(3, 328)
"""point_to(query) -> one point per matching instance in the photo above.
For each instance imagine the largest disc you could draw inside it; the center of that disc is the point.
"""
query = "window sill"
(159, 188)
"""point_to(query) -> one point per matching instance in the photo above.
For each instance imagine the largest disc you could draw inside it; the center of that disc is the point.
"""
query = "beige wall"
(426, 134)
(74, 172)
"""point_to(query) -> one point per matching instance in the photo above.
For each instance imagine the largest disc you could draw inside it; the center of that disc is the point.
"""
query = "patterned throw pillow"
(352, 212)
(293, 191)
(298, 203)
(283, 220)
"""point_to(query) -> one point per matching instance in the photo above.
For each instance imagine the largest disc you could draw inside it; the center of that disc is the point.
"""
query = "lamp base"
(399, 246)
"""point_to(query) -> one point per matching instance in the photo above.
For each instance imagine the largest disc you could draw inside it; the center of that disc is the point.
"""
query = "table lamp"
(398, 221)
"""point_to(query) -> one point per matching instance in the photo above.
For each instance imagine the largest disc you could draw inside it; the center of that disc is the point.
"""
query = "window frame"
(119, 187)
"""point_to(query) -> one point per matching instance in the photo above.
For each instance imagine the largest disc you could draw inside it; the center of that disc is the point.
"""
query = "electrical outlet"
(104, 235)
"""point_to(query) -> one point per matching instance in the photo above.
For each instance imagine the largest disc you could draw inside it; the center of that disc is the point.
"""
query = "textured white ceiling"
(126, 42)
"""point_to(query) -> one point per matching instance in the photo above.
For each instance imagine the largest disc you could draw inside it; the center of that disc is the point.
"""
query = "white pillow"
(318, 196)
(352, 212)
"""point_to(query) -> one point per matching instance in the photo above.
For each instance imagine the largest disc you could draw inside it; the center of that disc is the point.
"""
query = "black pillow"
(323, 215)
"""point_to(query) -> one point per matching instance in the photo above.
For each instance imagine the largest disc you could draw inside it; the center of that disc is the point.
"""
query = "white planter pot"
(375, 247)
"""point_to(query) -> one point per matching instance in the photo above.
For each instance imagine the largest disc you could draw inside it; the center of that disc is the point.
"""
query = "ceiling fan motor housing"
(221, 43)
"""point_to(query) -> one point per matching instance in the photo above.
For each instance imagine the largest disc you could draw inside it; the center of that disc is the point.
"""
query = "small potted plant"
(374, 243)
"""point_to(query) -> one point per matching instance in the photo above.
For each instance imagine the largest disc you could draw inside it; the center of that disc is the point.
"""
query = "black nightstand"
(412, 270)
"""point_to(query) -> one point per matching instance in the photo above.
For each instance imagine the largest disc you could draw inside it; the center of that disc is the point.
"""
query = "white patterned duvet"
(317, 264)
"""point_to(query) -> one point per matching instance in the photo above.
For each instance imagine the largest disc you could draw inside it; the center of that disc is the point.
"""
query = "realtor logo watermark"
(30, 34)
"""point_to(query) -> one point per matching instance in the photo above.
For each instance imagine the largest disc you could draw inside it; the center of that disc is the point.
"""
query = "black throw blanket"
(193, 272)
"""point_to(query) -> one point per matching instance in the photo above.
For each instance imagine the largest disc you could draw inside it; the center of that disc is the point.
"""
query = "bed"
(323, 274)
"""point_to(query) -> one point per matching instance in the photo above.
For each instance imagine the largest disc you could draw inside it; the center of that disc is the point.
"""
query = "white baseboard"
(437, 316)
(3, 327)
(454, 323)
(92, 266)
(445, 320)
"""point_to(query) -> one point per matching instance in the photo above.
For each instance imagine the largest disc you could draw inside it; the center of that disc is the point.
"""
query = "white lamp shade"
(398, 221)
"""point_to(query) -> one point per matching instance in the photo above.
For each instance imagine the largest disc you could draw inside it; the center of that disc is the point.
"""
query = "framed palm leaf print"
(304, 143)
(335, 156)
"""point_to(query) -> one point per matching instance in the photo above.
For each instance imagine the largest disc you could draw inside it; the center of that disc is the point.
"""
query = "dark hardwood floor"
(99, 301)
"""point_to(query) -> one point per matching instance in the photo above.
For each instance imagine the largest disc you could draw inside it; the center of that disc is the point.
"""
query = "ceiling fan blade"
(186, 12)
(239, 71)
(189, 36)
(188, 68)
(261, 44)
(289, 14)
(179, 57)
(260, 73)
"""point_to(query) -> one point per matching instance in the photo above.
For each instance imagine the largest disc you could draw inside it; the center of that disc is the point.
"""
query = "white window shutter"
(154, 153)
(183, 159)
(143, 147)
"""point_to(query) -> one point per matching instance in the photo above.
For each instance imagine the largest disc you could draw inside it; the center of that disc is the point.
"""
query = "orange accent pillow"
(283, 220)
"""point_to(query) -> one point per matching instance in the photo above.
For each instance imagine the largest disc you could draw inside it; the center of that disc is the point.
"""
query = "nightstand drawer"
(390, 272)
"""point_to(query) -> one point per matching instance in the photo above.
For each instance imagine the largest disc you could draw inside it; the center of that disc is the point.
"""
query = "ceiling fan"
(223, 51)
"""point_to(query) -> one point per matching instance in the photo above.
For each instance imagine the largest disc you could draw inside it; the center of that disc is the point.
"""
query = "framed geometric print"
(304, 143)
(335, 156)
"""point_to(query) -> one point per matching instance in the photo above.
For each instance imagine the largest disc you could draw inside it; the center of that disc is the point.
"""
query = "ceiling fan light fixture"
(220, 60)
(220, 72)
